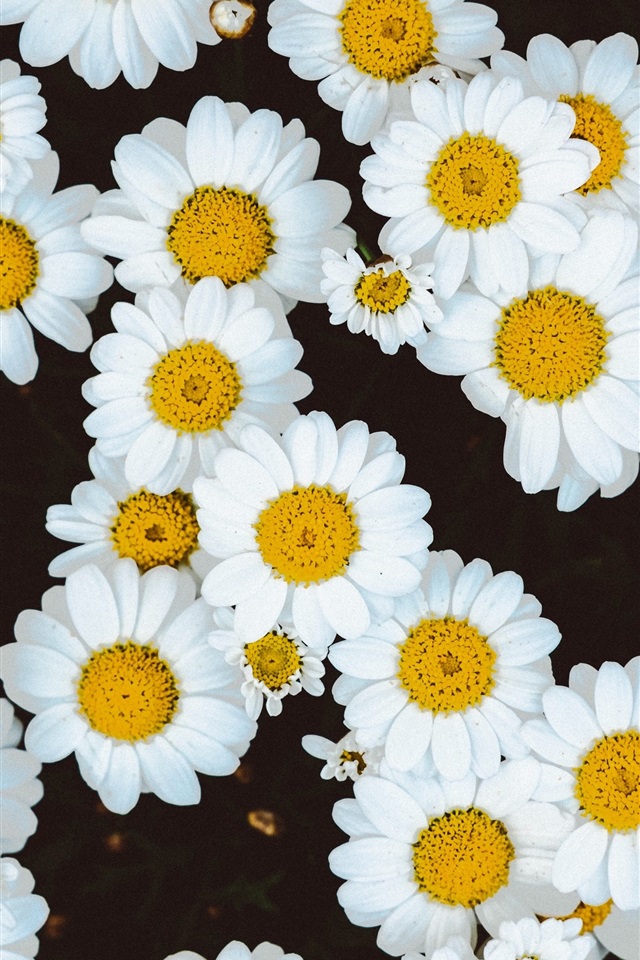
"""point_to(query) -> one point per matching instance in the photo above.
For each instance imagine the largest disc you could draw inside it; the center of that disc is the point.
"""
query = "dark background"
(165, 878)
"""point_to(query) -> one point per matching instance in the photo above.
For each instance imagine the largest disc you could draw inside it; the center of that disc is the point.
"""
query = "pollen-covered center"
(383, 292)
(222, 233)
(591, 917)
(194, 388)
(308, 534)
(18, 264)
(446, 665)
(353, 756)
(388, 39)
(597, 123)
(550, 345)
(127, 691)
(474, 182)
(273, 659)
(462, 858)
(608, 781)
(156, 530)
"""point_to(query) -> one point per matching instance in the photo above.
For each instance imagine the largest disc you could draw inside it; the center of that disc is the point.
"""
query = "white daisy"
(367, 53)
(610, 929)
(389, 300)
(46, 268)
(20, 789)
(576, 486)
(22, 912)
(22, 114)
(318, 520)
(118, 669)
(239, 951)
(559, 364)
(475, 181)
(456, 948)
(548, 940)
(179, 382)
(600, 81)
(429, 864)
(344, 759)
(231, 196)
(451, 672)
(591, 736)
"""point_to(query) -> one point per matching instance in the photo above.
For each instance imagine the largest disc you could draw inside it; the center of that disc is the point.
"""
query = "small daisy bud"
(232, 19)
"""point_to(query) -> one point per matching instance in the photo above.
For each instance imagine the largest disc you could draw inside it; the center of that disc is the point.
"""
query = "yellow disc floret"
(127, 691)
(474, 182)
(156, 530)
(354, 756)
(18, 264)
(308, 534)
(597, 123)
(194, 388)
(273, 659)
(383, 292)
(591, 917)
(446, 665)
(462, 858)
(388, 39)
(222, 233)
(550, 345)
(608, 781)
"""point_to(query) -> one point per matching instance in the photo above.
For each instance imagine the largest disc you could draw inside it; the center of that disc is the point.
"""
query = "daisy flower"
(591, 734)
(117, 668)
(430, 864)
(576, 486)
(474, 181)
(344, 759)
(456, 948)
(548, 940)
(600, 81)
(46, 268)
(275, 665)
(230, 196)
(22, 912)
(22, 114)
(389, 300)
(319, 521)
(450, 673)
(239, 951)
(177, 383)
(20, 788)
(367, 53)
(613, 930)
(559, 364)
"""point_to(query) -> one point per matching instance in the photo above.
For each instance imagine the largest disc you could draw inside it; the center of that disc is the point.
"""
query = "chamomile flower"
(239, 951)
(474, 181)
(230, 196)
(450, 672)
(317, 521)
(117, 668)
(430, 860)
(367, 53)
(389, 300)
(46, 268)
(20, 788)
(179, 382)
(22, 912)
(549, 940)
(456, 948)
(591, 735)
(610, 929)
(559, 364)
(22, 114)
(344, 759)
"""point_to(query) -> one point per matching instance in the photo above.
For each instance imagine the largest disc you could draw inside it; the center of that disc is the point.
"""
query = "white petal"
(579, 856)
(451, 746)
(613, 698)
(343, 607)
(92, 606)
(389, 808)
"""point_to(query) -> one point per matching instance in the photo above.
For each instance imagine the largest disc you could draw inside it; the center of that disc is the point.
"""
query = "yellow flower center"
(383, 292)
(308, 534)
(351, 756)
(446, 665)
(194, 388)
(608, 781)
(156, 530)
(597, 123)
(591, 917)
(273, 659)
(127, 692)
(388, 39)
(222, 233)
(474, 182)
(462, 858)
(550, 345)
(18, 264)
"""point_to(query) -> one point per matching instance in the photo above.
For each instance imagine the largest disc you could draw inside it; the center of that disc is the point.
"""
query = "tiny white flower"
(20, 788)
(344, 759)
(22, 912)
(22, 114)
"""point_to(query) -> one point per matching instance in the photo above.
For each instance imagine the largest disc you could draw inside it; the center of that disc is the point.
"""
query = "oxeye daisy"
(474, 181)
(367, 53)
(449, 674)
(390, 300)
(591, 735)
(239, 951)
(47, 270)
(22, 114)
(20, 788)
(179, 382)
(318, 521)
(610, 929)
(559, 364)
(429, 861)
(549, 940)
(231, 196)
(456, 948)
(22, 912)
(343, 759)
(117, 668)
